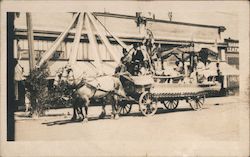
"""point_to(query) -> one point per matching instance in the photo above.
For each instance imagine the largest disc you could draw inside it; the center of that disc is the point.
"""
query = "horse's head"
(68, 75)
(58, 77)
(71, 78)
(75, 75)
(64, 74)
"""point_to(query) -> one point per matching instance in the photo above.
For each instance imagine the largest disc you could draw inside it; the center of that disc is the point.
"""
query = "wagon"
(148, 93)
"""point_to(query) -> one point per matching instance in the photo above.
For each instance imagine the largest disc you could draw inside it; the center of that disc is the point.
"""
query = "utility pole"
(30, 41)
(10, 78)
(31, 56)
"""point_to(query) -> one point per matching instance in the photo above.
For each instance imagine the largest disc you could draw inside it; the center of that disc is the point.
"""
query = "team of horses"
(106, 88)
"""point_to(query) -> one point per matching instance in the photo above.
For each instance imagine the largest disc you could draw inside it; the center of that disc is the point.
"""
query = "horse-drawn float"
(137, 82)
(143, 90)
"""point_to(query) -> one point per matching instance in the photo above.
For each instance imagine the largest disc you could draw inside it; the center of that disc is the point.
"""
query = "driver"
(138, 54)
(125, 62)
(140, 60)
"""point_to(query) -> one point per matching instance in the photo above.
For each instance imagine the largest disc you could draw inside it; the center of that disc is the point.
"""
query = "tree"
(36, 84)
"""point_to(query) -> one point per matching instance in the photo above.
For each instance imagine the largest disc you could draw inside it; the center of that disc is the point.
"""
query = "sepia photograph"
(126, 78)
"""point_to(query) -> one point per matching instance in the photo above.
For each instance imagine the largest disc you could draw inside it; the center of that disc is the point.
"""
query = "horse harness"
(83, 82)
(96, 88)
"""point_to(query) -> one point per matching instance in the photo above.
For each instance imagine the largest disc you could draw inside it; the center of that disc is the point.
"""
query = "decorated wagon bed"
(143, 90)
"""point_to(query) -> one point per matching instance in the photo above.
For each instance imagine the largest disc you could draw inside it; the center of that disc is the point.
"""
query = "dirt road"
(215, 130)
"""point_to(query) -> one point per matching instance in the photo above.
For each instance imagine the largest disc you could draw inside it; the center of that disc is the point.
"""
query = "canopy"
(225, 69)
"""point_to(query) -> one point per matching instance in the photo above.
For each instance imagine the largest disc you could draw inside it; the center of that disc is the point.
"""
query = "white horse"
(106, 88)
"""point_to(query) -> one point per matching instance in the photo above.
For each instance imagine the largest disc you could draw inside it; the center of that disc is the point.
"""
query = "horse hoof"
(85, 120)
(73, 119)
(102, 115)
(116, 116)
(81, 117)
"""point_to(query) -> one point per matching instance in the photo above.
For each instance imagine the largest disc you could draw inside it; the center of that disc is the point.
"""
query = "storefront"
(168, 34)
(232, 52)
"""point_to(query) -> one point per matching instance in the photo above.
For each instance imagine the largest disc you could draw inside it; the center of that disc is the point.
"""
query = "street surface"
(183, 132)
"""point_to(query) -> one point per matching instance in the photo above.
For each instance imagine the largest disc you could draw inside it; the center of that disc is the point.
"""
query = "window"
(64, 50)
(233, 60)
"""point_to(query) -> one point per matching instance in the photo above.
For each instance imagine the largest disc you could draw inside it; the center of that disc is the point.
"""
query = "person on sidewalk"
(27, 103)
(19, 84)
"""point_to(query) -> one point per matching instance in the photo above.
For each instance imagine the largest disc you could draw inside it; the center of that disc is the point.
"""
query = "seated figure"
(179, 67)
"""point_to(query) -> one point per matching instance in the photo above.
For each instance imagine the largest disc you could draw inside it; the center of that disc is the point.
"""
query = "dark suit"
(137, 56)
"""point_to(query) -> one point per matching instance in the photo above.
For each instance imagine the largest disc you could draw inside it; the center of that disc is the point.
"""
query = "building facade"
(47, 27)
(168, 34)
(232, 52)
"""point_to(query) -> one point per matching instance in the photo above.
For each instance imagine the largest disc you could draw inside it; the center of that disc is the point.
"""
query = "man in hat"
(125, 63)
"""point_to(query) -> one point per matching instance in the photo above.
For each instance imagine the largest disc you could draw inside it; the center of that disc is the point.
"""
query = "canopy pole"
(55, 45)
(74, 52)
(93, 44)
(30, 41)
(104, 39)
(123, 45)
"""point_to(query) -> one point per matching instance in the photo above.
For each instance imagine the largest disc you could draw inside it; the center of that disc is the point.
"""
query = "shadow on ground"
(134, 114)
(47, 115)
(162, 111)
(68, 121)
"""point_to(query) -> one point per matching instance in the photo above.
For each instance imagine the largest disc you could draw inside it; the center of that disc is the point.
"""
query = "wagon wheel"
(171, 104)
(148, 106)
(124, 108)
(197, 103)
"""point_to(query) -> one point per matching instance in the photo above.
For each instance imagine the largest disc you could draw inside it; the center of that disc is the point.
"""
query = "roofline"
(52, 35)
(107, 14)
(231, 40)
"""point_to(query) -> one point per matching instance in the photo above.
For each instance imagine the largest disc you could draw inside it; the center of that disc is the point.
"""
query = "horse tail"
(116, 84)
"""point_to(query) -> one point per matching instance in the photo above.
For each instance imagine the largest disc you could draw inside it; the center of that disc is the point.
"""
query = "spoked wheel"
(197, 103)
(171, 104)
(148, 106)
(124, 108)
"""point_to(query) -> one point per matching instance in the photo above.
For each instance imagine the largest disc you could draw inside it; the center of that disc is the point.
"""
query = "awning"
(210, 52)
(225, 69)
(173, 51)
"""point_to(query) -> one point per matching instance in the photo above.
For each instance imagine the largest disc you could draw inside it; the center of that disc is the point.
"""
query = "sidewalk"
(223, 100)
